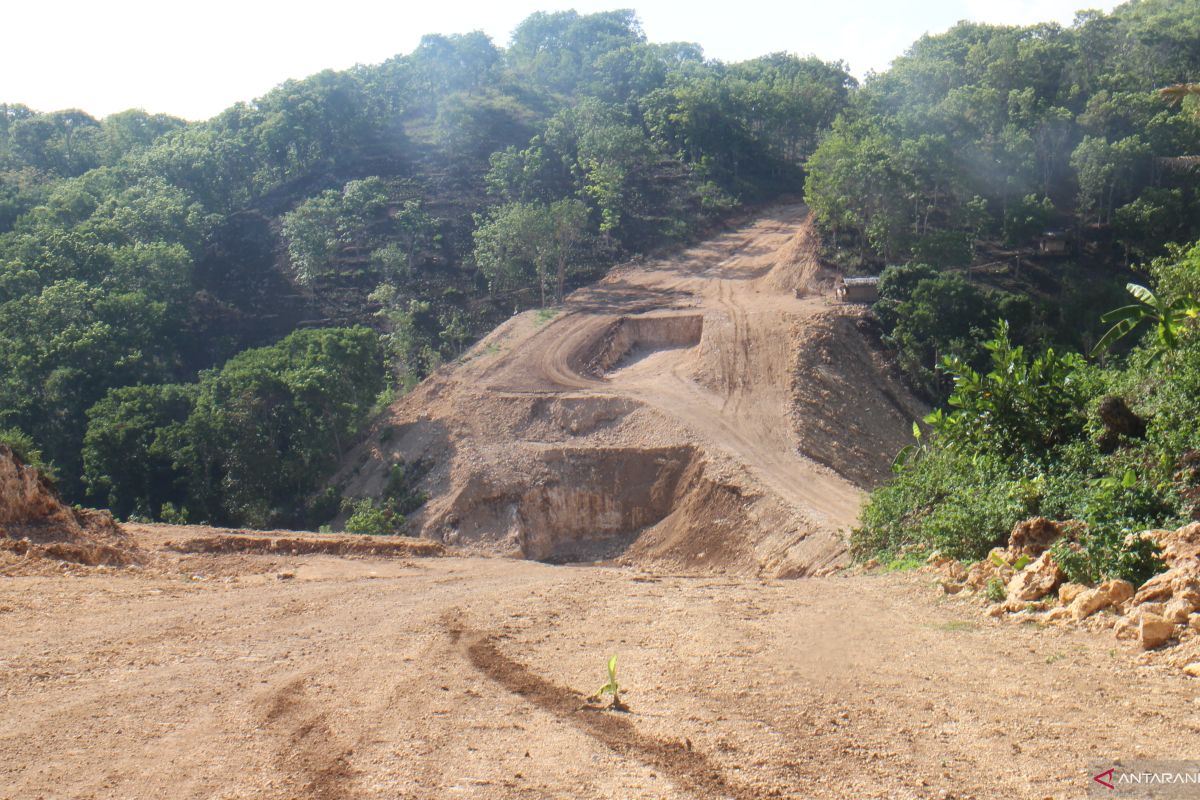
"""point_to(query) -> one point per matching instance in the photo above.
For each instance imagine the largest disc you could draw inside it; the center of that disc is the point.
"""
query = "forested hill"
(425, 197)
(987, 132)
(199, 315)
(979, 140)
(1061, 392)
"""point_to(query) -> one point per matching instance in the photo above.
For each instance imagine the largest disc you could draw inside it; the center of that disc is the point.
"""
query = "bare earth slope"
(692, 412)
(435, 678)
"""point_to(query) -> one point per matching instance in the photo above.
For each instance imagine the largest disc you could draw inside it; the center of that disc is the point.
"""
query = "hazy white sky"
(193, 59)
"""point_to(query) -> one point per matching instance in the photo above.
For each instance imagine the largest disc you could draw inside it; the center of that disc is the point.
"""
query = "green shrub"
(172, 515)
(1021, 407)
(1106, 553)
(27, 450)
(959, 505)
(368, 517)
(996, 591)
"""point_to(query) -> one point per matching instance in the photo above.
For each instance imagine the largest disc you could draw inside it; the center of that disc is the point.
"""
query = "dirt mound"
(36, 524)
(309, 544)
(851, 412)
(797, 266)
(698, 413)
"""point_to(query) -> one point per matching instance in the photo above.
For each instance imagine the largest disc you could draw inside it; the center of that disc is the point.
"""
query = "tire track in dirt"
(308, 750)
(691, 769)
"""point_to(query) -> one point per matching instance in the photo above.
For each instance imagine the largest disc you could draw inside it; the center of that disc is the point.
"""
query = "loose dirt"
(244, 675)
(39, 533)
(709, 411)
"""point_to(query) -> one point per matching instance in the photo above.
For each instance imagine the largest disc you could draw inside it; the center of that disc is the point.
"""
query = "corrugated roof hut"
(857, 290)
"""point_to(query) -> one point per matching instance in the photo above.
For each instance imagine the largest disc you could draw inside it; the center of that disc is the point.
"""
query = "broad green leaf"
(1142, 293)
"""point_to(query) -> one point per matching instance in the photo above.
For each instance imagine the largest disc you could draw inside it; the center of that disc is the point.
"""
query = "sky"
(193, 59)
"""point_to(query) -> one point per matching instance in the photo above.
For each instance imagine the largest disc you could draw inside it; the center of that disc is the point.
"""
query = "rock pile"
(1162, 615)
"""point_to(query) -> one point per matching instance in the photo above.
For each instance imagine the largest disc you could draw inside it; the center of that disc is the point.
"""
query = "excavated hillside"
(35, 524)
(711, 410)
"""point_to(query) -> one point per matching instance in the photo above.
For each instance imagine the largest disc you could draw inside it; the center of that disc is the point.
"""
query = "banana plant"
(1169, 319)
(611, 688)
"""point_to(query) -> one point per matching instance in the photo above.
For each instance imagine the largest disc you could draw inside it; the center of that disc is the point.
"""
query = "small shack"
(857, 290)
(1053, 243)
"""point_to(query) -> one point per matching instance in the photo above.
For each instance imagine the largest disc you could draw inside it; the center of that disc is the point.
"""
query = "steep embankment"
(35, 524)
(709, 410)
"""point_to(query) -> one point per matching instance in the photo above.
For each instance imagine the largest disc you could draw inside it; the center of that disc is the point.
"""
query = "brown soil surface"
(711, 411)
(246, 675)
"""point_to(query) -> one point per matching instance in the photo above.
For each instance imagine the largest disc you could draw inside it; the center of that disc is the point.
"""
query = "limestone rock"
(1157, 588)
(1181, 548)
(1154, 631)
(1069, 591)
(1088, 602)
(1037, 579)
(1157, 609)
(1126, 629)
(1178, 610)
(1193, 669)
(1032, 537)
(1058, 614)
(1109, 593)
(982, 572)
(1117, 591)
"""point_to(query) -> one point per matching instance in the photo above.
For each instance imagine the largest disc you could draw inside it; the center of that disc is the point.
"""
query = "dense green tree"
(274, 421)
(129, 452)
(560, 50)
(521, 242)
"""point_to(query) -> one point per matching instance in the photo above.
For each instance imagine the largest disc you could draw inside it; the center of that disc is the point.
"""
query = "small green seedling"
(611, 687)
(1017, 565)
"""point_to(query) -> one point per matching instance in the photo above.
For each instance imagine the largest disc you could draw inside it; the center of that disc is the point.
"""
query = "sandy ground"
(215, 677)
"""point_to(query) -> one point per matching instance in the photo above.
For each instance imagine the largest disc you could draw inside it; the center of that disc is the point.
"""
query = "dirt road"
(465, 677)
(722, 377)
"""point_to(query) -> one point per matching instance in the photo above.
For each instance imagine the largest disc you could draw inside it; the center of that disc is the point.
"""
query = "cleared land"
(710, 410)
(210, 676)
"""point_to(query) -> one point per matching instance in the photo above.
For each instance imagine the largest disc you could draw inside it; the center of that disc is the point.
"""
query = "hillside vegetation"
(1088, 130)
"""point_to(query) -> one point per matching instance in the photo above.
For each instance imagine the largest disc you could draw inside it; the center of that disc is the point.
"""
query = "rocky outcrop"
(1162, 615)
(1033, 537)
(1037, 580)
